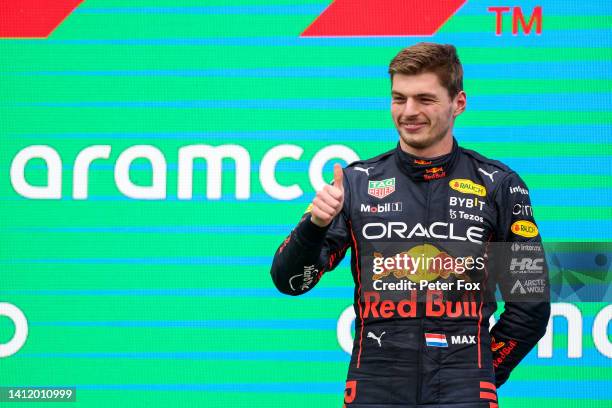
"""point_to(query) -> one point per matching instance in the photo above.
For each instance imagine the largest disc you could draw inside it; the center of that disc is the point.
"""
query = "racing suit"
(429, 346)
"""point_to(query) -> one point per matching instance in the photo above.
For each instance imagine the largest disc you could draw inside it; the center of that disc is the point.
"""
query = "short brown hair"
(440, 59)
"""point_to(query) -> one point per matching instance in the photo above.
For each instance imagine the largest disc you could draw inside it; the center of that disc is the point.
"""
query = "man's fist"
(328, 202)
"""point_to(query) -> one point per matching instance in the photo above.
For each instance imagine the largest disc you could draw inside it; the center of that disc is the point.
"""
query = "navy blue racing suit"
(429, 344)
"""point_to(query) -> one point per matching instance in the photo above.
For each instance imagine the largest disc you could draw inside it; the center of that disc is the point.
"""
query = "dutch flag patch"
(435, 340)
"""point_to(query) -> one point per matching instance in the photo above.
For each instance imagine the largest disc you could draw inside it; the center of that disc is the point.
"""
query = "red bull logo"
(435, 306)
(504, 352)
(434, 173)
(433, 176)
(434, 170)
(495, 345)
(422, 162)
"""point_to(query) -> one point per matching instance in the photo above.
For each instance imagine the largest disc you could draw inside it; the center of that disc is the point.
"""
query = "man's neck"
(441, 148)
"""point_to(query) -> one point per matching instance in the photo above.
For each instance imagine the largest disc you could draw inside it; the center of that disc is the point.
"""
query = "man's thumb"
(338, 176)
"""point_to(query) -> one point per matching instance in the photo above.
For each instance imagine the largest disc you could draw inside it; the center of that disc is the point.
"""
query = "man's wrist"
(318, 222)
(311, 232)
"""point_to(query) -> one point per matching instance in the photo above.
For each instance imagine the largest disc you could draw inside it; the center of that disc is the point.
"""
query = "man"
(426, 343)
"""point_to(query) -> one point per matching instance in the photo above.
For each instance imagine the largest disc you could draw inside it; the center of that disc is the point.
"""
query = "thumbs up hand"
(329, 201)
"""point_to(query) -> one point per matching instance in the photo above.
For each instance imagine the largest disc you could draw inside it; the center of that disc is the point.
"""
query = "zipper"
(422, 331)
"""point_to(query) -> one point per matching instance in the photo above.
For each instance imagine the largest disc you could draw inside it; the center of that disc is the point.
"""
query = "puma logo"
(373, 336)
(366, 170)
(489, 175)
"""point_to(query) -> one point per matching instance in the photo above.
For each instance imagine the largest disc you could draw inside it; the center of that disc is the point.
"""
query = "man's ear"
(460, 103)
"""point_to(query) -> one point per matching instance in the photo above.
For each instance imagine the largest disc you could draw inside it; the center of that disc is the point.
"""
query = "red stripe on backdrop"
(33, 18)
(345, 18)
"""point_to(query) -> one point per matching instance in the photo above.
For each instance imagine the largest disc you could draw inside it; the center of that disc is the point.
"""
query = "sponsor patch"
(439, 230)
(434, 173)
(522, 246)
(435, 340)
(522, 209)
(496, 345)
(489, 175)
(381, 188)
(310, 272)
(468, 187)
(528, 286)
(524, 228)
(381, 208)
(518, 288)
(372, 335)
(518, 189)
(454, 214)
(526, 265)
(366, 170)
(422, 162)
(466, 202)
(503, 353)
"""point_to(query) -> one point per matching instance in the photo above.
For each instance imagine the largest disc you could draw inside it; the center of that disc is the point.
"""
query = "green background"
(169, 302)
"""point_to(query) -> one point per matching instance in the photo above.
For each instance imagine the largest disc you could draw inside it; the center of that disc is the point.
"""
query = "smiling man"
(424, 110)
(457, 221)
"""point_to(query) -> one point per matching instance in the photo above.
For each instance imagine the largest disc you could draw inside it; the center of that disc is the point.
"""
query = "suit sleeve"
(522, 276)
(309, 251)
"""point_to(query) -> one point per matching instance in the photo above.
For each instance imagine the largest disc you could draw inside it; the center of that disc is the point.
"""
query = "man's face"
(422, 110)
